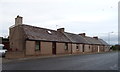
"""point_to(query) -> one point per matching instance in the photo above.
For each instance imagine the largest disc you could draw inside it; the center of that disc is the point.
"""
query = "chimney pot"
(82, 34)
(95, 37)
(61, 30)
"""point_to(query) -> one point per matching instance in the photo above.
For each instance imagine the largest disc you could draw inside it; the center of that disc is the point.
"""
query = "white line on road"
(114, 67)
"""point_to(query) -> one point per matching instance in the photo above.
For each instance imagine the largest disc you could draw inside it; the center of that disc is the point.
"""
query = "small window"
(49, 32)
(77, 47)
(89, 46)
(37, 47)
(66, 46)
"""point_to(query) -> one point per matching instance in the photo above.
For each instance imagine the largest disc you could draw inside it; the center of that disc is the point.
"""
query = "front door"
(54, 48)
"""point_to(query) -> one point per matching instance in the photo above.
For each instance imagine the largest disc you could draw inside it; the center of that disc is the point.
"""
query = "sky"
(93, 17)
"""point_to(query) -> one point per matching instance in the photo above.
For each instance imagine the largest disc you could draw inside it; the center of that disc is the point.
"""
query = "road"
(103, 61)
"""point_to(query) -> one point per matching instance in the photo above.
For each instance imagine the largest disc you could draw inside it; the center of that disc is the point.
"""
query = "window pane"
(77, 47)
(37, 45)
(66, 46)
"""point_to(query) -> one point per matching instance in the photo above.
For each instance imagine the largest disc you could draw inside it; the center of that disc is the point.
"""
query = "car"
(2, 51)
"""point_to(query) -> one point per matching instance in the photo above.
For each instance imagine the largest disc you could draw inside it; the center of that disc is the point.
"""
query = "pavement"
(5, 60)
(101, 61)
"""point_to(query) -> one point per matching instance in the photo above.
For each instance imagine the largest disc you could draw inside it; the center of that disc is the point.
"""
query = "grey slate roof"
(103, 42)
(75, 38)
(92, 40)
(38, 33)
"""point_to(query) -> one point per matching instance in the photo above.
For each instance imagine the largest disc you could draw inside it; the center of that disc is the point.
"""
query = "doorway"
(54, 48)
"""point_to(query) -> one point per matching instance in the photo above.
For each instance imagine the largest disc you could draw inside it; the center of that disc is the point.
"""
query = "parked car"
(2, 51)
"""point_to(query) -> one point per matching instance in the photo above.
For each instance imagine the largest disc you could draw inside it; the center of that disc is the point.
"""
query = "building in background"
(6, 43)
(26, 40)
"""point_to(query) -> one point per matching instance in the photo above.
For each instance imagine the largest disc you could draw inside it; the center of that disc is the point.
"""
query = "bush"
(115, 47)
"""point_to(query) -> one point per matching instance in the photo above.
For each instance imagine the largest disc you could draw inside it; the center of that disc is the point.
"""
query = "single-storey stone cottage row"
(26, 40)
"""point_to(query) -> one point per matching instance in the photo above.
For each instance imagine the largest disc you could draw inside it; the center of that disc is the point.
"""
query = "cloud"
(90, 19)
(110, 38)
(91, 16)
(33, 1)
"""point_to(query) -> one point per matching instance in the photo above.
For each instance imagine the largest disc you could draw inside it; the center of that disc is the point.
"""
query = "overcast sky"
(94, 17)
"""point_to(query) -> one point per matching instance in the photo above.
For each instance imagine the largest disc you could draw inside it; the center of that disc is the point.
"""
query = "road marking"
(114, 67)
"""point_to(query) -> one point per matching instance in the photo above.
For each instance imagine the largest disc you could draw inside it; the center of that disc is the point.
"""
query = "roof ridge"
(39, 27)
(71, 33)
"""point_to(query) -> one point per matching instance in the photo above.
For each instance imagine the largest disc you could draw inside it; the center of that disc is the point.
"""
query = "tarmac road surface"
(102, 61)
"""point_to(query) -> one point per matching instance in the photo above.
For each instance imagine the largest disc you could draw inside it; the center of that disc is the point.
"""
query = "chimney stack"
(18, 20)
(82, 34)
(95, 37)
(61, 30)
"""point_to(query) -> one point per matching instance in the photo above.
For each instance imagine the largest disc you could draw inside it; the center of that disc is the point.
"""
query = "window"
(37, 46)
(77, 47)
(89, 46)
(49, 32)
(66, 46)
